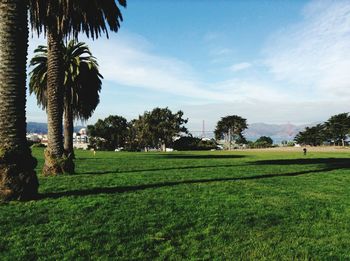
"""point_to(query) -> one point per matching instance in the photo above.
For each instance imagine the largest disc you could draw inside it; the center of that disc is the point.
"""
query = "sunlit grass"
(193, 205)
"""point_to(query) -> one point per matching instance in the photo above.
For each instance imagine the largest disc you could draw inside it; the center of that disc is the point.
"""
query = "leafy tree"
(109, 134)
(231, 129)
(60, 19)
(263, 142)
(266, 139)
(158, 127)
(131, 142)
(82, 84)
(18, 179)
(337, 128)
(313, 136)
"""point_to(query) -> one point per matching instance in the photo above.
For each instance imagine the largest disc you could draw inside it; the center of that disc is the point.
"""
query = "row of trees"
(160, 128)
(57, 20)
(153, 129)
(334, 131)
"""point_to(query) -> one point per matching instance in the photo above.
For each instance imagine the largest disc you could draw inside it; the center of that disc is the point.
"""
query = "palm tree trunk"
(68, 139)
(54, 152)
(68, 131)
(18, 179)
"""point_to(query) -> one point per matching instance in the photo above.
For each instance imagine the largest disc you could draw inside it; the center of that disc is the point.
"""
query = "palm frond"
(82, 79)
(71, 17)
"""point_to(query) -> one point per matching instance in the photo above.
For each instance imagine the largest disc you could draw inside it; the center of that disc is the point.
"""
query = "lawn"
(193, 205)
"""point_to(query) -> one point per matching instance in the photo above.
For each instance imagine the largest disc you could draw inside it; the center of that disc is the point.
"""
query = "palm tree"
(82, 84)
(61, 19)
(17, 176)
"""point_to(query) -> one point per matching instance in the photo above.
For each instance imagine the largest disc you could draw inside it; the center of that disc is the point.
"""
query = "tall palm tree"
(60, 19)
(82, 84)
(17, 176)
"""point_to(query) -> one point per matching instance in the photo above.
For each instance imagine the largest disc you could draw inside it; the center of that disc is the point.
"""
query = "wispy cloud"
(240, 66)
(315, 53)
(127, 63)
(311, 56)
(129, 60)
(138, 67)
(220, 52)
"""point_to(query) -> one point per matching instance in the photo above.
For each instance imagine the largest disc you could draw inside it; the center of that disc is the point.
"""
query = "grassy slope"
(213, 205)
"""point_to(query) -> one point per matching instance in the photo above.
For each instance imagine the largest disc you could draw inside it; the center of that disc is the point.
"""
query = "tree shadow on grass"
(118, 171)
(329, 163)
(173, 156)
(95, 158)
(205, 156)
(123, 189)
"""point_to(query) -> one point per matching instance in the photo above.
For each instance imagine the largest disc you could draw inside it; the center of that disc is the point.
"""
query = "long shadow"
(123, 189)
(195, 156)
(95, 158)
(173, 156)
(330, 163)
(154, 169)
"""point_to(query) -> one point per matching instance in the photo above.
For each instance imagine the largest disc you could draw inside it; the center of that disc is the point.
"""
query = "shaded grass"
(191, 205)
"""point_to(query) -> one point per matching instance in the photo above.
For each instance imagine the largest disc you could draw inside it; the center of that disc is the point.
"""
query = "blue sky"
(269, 61)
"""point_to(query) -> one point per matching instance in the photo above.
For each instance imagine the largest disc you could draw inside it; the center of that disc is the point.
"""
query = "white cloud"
(129, 60)
(240, 66)
(315, 53)
(136, 68)
(125, 62)
(313, 56)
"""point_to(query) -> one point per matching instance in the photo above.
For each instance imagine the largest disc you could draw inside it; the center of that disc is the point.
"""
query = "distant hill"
(39, 127)
(278, 132)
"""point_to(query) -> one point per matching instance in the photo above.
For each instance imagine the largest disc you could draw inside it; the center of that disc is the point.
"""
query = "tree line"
(157, 129)
(334, 131)
(161, 128)
(153, 129)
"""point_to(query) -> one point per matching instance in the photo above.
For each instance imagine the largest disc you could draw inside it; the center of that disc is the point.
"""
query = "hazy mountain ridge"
(277, 132)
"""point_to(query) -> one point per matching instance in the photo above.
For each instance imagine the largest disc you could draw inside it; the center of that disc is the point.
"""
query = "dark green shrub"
(192, 143)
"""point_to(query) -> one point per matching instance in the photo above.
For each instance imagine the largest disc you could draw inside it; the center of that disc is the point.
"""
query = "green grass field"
(193, 205)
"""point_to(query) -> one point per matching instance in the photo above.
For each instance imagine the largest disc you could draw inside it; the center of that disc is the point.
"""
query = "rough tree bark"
(54, 161)
(68, 131)
(68, 140)
(18, 179)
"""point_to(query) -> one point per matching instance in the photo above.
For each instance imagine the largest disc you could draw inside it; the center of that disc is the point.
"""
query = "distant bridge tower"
(203, 129)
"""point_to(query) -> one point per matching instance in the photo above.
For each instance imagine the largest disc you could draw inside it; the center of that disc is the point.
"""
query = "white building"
(80, 139)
